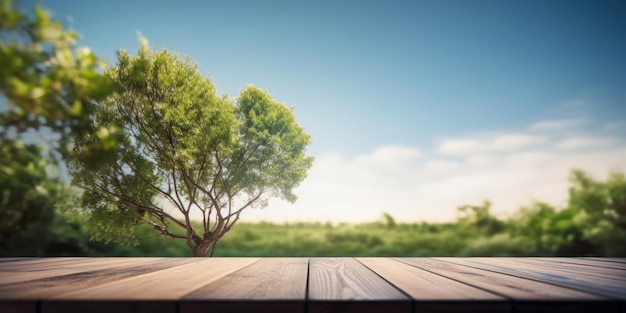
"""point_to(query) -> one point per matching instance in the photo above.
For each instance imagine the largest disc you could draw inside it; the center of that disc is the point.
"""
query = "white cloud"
(383, 156)
(514, 142)
(554, 125)
(510, 170)
(479, 161)
(460, 146)
(441, 166)
(497, 143)
(583, 143)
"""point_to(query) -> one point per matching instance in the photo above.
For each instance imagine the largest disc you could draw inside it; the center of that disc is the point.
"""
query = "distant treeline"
(593, 223)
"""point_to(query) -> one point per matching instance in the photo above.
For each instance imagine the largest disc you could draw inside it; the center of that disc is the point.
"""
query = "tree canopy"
(184, 152)
(28, 194)
(47, 87)
(48, 81)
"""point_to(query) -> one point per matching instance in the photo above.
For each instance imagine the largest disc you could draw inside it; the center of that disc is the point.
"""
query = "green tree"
(536, 225)
(477, 219)
(48, 81)
(47, 85)
(27, 198)
(592, 223)
(390, 222)
(185, 153)
(599, 209)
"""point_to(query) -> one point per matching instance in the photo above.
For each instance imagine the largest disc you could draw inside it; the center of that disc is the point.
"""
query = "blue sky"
(405, 99)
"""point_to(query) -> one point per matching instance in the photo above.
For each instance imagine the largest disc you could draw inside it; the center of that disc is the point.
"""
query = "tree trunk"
(204, 248)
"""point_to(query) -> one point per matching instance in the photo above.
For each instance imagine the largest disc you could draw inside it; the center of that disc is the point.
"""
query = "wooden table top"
(310, 285)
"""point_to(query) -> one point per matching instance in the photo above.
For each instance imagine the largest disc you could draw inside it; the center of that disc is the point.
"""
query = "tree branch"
(250, 202)
(162, 192)
(137, 206)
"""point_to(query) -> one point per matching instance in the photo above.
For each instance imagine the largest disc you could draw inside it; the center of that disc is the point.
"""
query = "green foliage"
(271, 145)
(181, 148)
(535, 230)
(48, 82)
(315, 239)
(479, 218)
(389, 220)
(599, 211)
(591, 224)
(537, 225)
(28, 223)
(47, 85)
(27, 195)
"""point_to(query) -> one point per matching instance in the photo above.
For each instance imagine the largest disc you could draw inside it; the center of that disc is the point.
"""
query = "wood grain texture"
(30, 260)
(277, 279)
(607, 267)
(617, 260)
(592, 270)
(36, 264)
(320, 285)
(11, 259)
(424, 285)
(55, 285)
(348, 279)
(604, 287)
(508, 286)
(41, 264)
(168, 284)
(40, 269)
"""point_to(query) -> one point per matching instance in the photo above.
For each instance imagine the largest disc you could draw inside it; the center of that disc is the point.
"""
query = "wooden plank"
(616, 260)
(46, 287)
(576, 268)
(33, 264)
(347, 279)
(56, 267)
(433, 292)
(335, 284)
(424, 285)
(37, 259)
(189, 285)
(611, 267)
(267, 279)
(604, 287)
(162, 285)
(13, 259)
(512, 287)
(574, 279)
(269, 285)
